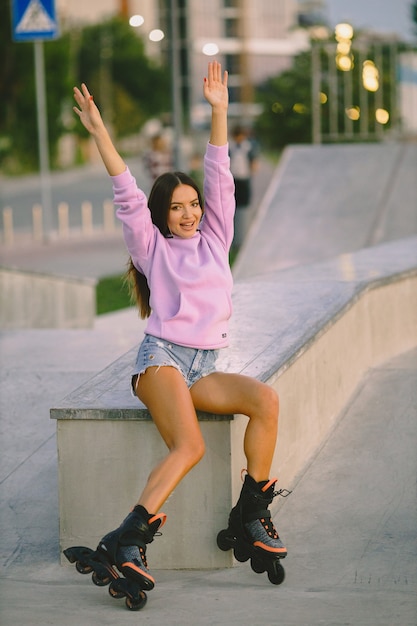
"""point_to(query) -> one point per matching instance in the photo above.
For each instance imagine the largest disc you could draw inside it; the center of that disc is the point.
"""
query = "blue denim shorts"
(193, 363)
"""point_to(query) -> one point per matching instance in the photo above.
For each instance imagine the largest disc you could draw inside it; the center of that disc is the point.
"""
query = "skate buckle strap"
(281, 492)
(259, 514)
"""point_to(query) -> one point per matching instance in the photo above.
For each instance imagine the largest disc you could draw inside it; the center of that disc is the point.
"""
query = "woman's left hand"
(215, 86)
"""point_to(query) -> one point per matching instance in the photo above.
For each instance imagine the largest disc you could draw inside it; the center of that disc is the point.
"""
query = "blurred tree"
(109, 57)
(128, 87)
(18, 125)
(286, 99)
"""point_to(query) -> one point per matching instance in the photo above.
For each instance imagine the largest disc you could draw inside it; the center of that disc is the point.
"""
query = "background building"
(253, 39)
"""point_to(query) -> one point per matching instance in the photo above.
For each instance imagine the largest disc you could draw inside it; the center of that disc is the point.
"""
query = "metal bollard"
(63, 222)
(37, 222)
(8, 233)
(87, 218)
(108, 216)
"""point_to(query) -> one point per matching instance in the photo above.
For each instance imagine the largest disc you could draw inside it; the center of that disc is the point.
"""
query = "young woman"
(179, 257)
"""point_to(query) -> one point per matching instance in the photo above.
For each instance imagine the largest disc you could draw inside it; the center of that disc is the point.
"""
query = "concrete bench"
(311, 332)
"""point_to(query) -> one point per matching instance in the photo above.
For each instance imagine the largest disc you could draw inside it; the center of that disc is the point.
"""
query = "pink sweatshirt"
(189, 279)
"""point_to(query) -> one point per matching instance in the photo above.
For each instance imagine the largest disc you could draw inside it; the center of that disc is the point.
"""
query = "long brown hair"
(159, 204)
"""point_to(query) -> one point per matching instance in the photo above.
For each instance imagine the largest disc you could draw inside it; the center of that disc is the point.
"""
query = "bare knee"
(273, 401)
(268, 401)
(192, 452)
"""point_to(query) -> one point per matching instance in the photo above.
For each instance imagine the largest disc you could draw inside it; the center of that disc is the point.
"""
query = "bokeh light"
(353, 113)
(136, 20)
(382, 116)
(156, 35)
(370, 76)
(210, 49)
(343, 31)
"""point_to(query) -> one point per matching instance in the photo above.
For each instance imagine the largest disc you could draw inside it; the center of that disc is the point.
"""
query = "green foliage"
(112, 294)
(128, 87)
(18, 119)
(286, 101)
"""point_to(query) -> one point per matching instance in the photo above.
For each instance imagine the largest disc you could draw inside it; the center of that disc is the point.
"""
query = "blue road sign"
(33, 20)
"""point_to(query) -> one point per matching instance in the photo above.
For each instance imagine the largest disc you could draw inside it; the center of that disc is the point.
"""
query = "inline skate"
(122, 550)
(251, 532)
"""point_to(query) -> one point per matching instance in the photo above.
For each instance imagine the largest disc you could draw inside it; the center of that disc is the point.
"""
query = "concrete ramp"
(318, 197)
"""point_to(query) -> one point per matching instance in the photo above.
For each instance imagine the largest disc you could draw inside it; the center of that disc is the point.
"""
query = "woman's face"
(185, 212)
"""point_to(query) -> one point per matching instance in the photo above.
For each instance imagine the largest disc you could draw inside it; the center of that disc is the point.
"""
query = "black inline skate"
(122, 550)
(251, 532)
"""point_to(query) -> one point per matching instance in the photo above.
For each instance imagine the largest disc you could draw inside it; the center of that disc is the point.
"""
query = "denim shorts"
(193, 363)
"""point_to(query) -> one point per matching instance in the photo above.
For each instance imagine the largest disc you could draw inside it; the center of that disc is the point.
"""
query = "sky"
(385, 16)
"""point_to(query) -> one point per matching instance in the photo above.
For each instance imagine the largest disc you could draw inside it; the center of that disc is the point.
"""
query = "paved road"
(98, 255)
(90, 183)
(350, 524)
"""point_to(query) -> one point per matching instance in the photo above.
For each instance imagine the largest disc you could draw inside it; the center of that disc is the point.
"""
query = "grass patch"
(112, 294)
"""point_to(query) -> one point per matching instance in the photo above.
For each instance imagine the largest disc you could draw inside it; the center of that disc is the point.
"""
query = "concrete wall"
(316, 384)
(32, 300)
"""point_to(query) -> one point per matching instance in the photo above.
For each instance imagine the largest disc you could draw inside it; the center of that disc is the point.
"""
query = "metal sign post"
(35, 20)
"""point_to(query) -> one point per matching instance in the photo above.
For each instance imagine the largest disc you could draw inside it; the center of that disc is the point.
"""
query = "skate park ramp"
(327, 200)
(350, 523)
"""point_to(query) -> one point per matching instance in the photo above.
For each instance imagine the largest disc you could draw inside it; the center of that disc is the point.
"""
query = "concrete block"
(315, 331)
(103, 466)
(34, 300)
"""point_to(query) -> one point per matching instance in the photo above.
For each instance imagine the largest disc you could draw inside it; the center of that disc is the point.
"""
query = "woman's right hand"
(91, 119)
(87, 111)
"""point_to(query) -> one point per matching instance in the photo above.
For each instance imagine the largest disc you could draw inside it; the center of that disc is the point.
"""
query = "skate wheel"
(136, 604)
(116, 593)
(99, 581)
(83, 569)
(224, 540)
(240, 553)
(276, 574)
(257, 566)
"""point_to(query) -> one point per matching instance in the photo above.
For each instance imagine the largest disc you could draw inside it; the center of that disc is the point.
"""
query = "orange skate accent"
(160, 516)
(259, 544)
(269, 483)
(139, 571)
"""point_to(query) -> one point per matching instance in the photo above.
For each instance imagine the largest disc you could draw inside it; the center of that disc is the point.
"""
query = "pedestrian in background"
(243, 164)
(158, 159)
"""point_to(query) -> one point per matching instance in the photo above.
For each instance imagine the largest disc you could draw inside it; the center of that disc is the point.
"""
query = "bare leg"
(233, 393)
(165, 393)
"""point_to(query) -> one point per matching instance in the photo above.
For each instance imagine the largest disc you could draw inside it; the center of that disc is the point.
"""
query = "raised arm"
(92, 120)
(217, 95)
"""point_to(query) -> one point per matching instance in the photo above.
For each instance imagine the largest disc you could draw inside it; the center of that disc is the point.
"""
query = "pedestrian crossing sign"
(33, 20)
